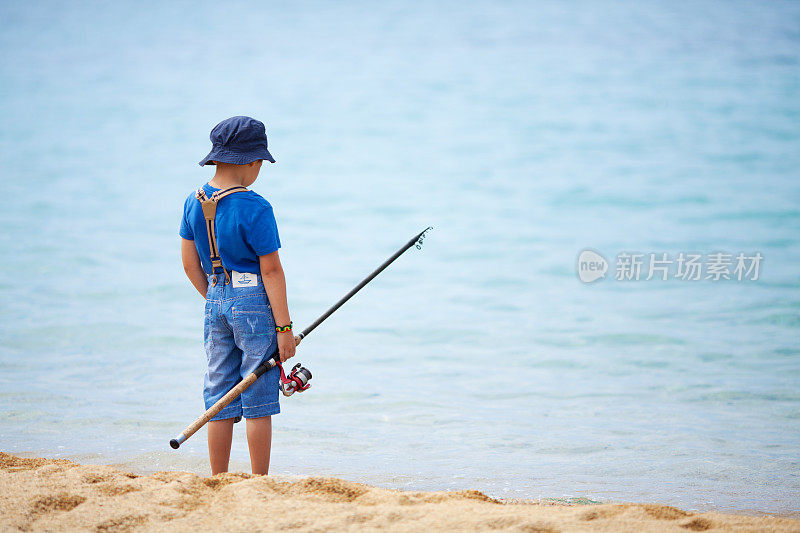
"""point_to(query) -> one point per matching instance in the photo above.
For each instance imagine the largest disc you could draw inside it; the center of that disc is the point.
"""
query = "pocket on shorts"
(209, 341)
(254, 327)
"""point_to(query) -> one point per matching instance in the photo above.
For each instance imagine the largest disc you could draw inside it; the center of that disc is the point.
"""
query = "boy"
(246, 310)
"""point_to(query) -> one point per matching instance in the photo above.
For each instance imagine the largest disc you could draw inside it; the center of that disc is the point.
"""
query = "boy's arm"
(275, 285)
(193, 267)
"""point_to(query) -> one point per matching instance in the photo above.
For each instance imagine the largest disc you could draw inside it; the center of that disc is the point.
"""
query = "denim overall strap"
(209, 206)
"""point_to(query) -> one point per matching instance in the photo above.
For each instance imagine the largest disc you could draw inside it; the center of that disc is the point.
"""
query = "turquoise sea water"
(523, 132)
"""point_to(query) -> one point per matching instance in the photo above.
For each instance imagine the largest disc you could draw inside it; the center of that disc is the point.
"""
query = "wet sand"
(59, 495)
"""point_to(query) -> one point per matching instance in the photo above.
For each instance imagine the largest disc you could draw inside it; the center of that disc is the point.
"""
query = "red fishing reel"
(297, 381)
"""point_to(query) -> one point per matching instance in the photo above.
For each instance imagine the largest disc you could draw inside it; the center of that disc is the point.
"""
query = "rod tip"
(421, 237)
(175, 444)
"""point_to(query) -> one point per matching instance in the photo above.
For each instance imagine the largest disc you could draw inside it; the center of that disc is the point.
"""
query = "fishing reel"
(297, 381)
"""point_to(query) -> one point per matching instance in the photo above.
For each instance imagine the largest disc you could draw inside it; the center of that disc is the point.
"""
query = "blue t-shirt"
(245, 228)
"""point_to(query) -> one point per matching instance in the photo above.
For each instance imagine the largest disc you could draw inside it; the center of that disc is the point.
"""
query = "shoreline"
(58, 494)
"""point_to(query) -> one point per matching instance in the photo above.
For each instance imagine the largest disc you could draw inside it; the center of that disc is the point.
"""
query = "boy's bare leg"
(220, 435)
(259, 441)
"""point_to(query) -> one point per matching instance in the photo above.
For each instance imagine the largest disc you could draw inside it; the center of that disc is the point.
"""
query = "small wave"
(791, 320)
(729, 396)
(584, 197)
(627, 339)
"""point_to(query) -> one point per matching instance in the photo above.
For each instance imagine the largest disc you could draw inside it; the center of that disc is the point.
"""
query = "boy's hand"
(286, 345)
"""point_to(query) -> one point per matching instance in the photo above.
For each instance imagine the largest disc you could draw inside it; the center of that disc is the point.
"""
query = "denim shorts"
(239, 333)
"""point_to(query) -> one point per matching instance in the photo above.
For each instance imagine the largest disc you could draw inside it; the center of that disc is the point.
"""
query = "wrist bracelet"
(281, 329)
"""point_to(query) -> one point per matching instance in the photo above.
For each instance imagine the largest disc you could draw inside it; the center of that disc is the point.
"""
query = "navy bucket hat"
(238, 140)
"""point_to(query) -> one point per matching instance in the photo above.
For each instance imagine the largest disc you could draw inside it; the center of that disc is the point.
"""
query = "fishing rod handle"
(213, 410)
(231, 395)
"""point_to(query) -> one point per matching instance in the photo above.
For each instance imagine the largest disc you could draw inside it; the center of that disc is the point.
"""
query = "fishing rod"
(298, 379)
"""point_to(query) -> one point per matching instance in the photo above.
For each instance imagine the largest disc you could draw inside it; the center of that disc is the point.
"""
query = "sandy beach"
(59, 495)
